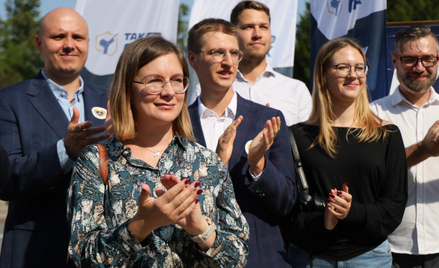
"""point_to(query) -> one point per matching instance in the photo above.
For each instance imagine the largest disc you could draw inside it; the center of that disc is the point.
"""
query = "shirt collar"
(268, 71)
(397, 97)
(60, 92)
(229, 112)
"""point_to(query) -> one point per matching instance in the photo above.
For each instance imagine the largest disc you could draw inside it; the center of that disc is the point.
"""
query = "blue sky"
(47, 5)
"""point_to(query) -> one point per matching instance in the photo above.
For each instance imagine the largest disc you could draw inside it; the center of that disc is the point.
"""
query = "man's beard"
(252, 59)
(417, 86)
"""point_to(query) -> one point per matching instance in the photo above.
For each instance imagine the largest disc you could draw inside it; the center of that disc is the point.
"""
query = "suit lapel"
(244, 129)
(47, 106)
(92, 99)
(196, 124)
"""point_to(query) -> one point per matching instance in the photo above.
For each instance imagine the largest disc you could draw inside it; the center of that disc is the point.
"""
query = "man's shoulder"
(21, 87)
(289, 80)
(383, 102)
(256, 106)
(94, 87)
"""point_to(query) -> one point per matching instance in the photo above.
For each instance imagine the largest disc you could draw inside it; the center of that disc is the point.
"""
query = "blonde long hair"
(371, 127)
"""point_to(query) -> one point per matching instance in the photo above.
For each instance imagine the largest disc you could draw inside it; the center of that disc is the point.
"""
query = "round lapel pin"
(247, 146)
(99, 112)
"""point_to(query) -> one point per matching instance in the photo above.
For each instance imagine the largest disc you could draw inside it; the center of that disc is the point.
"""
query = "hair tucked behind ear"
(136, 55)
(371, 127)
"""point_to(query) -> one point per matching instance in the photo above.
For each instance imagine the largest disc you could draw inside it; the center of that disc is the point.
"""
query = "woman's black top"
(376, 174)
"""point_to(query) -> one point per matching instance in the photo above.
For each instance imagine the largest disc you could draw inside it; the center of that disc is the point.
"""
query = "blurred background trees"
(19, 59)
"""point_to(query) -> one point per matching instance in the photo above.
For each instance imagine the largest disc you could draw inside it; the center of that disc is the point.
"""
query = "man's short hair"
(241, 6)
(412, 33)
(206, 26)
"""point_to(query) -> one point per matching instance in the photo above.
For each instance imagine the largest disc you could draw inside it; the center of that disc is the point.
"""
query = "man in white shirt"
(257, 153)
(256, 80)
(414, 108)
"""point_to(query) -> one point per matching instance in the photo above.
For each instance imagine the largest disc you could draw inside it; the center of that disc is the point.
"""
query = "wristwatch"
(203, 237)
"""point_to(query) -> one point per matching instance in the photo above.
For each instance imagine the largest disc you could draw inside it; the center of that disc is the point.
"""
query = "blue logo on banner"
(135, 36)
(334, 7)
(106, 43)
(353, 4)
(273, 38)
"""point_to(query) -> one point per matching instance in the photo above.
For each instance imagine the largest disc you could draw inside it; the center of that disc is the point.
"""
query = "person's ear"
(192, 58)
(38, 43)
(394, 59)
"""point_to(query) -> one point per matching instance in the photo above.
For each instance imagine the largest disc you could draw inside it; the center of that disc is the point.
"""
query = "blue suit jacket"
(266, 201)
(31, 123)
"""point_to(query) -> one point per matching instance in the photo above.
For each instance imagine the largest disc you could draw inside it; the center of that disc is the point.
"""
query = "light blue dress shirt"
(63, 99)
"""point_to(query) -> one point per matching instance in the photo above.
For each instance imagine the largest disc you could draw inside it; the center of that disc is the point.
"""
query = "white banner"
(115, 24)
(283, 25)
(361, 20)
(336, 17)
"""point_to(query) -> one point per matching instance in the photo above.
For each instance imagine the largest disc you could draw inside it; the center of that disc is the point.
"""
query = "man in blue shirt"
(43, 128)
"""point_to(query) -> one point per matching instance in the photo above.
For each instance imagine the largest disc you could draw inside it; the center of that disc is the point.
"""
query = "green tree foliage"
(302, 50)
(408, 10)
(19, 57)
(182, 27)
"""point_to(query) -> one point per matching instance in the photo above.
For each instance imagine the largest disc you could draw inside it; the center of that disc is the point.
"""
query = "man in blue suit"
(257, 154)
(42, 144)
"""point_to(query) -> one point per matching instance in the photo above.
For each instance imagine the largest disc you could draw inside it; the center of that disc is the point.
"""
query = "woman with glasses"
(352, 158)
(168, 201)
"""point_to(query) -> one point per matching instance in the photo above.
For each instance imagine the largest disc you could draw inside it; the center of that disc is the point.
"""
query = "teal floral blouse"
(99, 214)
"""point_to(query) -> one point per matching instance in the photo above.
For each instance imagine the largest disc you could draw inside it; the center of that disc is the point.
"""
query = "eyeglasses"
(155, 85)
(409, 61)
(219, 54)
(344, 69)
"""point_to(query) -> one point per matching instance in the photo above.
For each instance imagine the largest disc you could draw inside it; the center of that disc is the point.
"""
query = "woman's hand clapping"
(339, 205)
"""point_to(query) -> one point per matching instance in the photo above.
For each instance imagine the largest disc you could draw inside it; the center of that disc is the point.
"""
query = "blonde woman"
(352, 158)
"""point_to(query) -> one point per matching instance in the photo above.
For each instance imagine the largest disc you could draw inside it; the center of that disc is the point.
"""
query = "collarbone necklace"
(155, 154)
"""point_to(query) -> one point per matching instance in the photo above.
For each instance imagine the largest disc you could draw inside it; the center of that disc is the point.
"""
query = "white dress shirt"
(283, 93)
(214, 126)
(418, 232)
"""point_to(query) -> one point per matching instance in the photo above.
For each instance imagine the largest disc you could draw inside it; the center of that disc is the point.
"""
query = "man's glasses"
(344, 69)
(409, 61)
(155, 85)
(219, 54)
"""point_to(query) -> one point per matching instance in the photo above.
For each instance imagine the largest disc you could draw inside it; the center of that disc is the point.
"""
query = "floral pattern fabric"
(99, 214)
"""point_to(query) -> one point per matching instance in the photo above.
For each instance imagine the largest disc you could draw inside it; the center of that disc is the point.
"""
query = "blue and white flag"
(113, 25)
(283, 25)
(363, 20)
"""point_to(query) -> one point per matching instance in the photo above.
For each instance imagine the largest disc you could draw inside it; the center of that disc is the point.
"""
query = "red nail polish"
(197, 200)
(199, 191)
(331, 195)
(345, 184)
(187, 181)
(197, 183)
(327, 200)
(340, 192)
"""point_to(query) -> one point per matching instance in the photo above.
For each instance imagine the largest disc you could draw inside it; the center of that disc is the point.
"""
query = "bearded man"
(414, 108)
